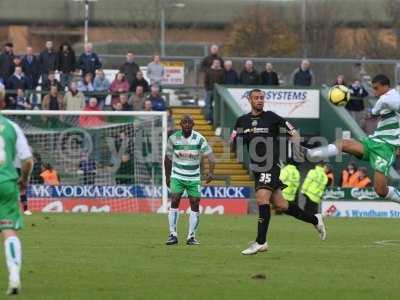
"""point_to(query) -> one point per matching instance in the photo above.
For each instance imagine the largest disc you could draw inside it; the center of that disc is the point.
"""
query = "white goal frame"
(162, 114)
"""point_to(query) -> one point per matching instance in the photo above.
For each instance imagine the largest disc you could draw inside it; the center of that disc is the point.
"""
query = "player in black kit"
(262, 132)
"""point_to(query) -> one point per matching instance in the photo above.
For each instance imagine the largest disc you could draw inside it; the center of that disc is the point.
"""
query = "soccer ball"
(339, 95)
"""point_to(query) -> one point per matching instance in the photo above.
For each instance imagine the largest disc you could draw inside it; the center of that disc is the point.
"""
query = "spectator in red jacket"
(119, 86)
(91, 121)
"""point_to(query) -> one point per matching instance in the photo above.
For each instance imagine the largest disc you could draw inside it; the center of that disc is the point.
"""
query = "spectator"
(125, 172)
(231, 76)
(118, 86)
(86, 86)
(269, 76)
(53, 100)
(213, 76)
(331, 176)
(155, 71)
(249, 75)
(51, 80)
(158, 102)
(21, 101)
(47, 60)
(356, 106)
(339, 80)
(17, 61)
(349, 175)
(6, 62)
(130, 67)
(91, 121)
(74, 99)
(303, 76)
(101, 86)
(31, 68)
(87, 167)
(137, 100)
(208, 60)
(17, 80)
(88, 62)
(148, 105)
(313, 188)
(66, 63)
(37, 169)
(363, 180)
(50, 176)
(117, 107)
(123, 99)
(139, 80)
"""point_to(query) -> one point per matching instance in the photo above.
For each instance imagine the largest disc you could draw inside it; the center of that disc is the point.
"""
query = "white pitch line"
(388, 243)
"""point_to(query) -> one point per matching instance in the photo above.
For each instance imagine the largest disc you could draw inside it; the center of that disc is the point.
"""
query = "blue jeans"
(65, 79)
(209, 105)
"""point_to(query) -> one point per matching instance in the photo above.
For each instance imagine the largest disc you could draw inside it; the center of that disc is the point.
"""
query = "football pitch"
(119, 256)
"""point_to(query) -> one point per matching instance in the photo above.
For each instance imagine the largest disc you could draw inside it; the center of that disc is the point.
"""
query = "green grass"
(78, 256)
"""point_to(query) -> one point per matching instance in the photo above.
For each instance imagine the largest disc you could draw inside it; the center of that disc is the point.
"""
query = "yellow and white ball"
(339, 95)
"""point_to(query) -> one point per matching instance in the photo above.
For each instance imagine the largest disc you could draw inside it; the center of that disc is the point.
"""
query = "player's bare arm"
(26, 170)
(211, 166)
(168, 168)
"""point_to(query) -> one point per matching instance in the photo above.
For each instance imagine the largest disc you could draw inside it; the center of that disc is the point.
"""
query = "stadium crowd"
(58, 79)
(68, 82)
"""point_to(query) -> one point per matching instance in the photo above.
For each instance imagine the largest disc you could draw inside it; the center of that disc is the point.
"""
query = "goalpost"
(113, 156)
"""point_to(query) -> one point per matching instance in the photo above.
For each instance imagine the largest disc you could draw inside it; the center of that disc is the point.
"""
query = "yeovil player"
(185, 150)
(13, 145)
(380, 147)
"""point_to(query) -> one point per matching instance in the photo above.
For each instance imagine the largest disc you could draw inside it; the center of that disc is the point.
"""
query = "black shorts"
(268, 180)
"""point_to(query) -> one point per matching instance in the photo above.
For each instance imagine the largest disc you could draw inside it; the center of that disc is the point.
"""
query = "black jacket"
(143, 82)
(14, 83)
(212, 77)
(130, 70)
(356, 102)
(269, 78)
(31, 70)
(249, 78)
(208, 60)
(47, 84)
(231, 77)
(303, 78)
(66, 61)
(48, 61)
(6, 65)
(89, 63)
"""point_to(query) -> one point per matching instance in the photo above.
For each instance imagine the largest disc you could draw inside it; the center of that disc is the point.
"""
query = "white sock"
(325, 151)
(173, 217)
(12, 246)
(193, 223)
(393, 194)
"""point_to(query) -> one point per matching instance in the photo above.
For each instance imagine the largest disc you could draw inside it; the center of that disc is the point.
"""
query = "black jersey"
(264, 135)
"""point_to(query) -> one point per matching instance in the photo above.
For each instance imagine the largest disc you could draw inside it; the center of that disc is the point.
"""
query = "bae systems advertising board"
(288, 103)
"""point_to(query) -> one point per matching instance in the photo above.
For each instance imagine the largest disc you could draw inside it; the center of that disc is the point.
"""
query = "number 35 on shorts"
(265, 178)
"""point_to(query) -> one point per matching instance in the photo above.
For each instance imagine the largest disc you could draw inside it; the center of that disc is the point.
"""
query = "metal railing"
(324, 69)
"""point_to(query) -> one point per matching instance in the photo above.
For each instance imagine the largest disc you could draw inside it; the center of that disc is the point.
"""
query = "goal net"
(106, 161)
